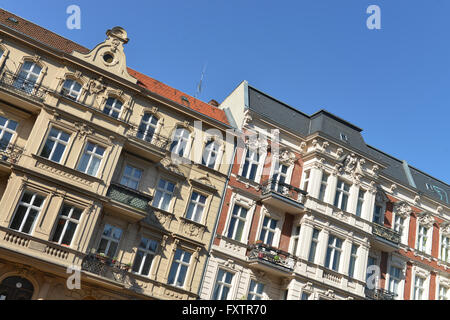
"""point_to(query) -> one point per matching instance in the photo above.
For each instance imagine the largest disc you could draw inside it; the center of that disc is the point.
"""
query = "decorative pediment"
(204, 182)
(402, 209)
(167, 164)
(425, 219)
(109, 55)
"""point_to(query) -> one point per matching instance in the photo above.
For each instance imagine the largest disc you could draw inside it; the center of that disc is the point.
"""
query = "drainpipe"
(217, 218)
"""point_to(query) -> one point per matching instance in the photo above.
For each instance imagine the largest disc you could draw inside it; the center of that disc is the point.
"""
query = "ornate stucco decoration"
(167, 164)
(83, 129)
(445, 228)
(381, 197)
(204, 182)
(256, 143)
(109, 55)
(425, 219)
(402, 209)
(247, 118)
(285, 157)
(352, 165)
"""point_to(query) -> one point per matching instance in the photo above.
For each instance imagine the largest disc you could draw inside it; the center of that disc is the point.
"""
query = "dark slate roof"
(327, 123)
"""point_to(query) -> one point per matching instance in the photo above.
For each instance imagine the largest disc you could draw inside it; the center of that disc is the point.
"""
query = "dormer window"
(71, 89)
(113, 107)
(344, 137)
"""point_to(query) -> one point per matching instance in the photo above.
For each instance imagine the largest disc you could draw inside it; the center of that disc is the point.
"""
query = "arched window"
(71, 89)
(113, 107)
(16, 288)
(210, 153)
(28, 76)
(147, 128)
(180, 141)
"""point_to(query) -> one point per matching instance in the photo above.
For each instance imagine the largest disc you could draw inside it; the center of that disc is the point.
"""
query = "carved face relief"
(402, 209)
(426, 220)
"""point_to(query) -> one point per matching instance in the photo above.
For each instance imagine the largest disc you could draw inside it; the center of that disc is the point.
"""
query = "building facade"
(110, 180)
(320, 215)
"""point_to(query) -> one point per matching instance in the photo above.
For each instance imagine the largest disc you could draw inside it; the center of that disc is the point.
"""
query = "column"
(331, 188)
(314, 182)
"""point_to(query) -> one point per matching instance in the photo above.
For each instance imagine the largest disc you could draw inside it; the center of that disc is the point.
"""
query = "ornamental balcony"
(283, 196)
(22, 87)
(152, 146)
(271, 260)
(379, 294)
(128, 202)
(106, 267)
(386, 236)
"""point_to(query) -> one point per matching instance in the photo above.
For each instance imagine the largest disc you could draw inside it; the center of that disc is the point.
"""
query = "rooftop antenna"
(199, 86)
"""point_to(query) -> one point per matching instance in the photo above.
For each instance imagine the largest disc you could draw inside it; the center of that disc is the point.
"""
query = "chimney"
(213, 102)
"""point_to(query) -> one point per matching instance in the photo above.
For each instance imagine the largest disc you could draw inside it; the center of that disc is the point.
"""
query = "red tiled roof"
(58, 42)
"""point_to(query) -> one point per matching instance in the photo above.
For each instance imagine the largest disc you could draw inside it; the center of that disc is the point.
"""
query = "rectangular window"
(377, 213)
(333, 253)
(445, 248)
(180, 142)
(163, 194)
(251, 164)
(255, 292)
(196, 207)
(268, 230)
(30, 205)
(210, 154)
(7, 130)
(295, 239)
(359, 204)
(306, 180)
(67, 224)
(131, 177)
(223, 285)
(395, 276)
(342, 194)
(305, 296)
(179, 268)
(144, 256)
(110, 241)
(323, 186)
(418, 288)
(91, 159)
(398, 224)
(237, 223)
(443, 293)
(279, 178)
(422, 238)
(313, 247)
(353, 258)
(55, 145)
(371, 262)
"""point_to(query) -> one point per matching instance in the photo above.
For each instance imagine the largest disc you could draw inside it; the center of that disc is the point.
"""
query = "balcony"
(152, 146)
(106, 268)
(23, 87)
(137, 201)
(270, 260)
(379, 294)
(284, 196)
(386, 235)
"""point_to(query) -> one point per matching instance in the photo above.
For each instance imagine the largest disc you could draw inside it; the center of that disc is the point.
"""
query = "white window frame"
(180, 139)
(164, 191)
(324, 185)
(92, 154)
(239, 219)
(444, 245)
(252, 162)
(419, 290)
(354, 256)
(360, 203)
(131, 177)
(25, 80)
(315, 242)
(29, 207)
(255, 294)
(295, 240)
(113, 107)
(221, 283)
(421, 237)
(180, 263)
(146, 252)
(340, 192)
(110, 239)
(5, 128)
(67, 219)
(268, 229)
(335, 252)
(211, 153)
(148, 124)
(70, 92)
(197, 204)
(56, 141)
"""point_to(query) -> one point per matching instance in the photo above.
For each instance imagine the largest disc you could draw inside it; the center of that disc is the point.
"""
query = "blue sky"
(394, 83)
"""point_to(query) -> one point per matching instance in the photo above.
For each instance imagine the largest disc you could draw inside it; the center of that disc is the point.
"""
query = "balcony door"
(279, 179)
(27, 77)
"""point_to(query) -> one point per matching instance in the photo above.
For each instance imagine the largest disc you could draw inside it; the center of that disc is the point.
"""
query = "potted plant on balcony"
(127, 266)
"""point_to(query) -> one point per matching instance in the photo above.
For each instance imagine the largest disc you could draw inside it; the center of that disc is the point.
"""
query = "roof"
(60, 43)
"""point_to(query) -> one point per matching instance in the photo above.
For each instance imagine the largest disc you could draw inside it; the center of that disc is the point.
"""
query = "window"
(443, 293)
(255, 291)
(110, 240)
(343, 137)
(55, 145)
(306, 180)
(305, 296)
(399, 224)
(353, 257)
(144, 256)
(295, 239)
(237, 223)
(223, 285)
(422, 238)
(395, 276)
(179, 268)
(359, 204)
(67, 224)
(323, 186)
(377, 213)
(1, 53)
(30, 205)
(251, 165)
(180, 142)
(371, 262)
(28, 76)
(313, 247)
(71, 89)
(268, 230)
(196, 207)
(113, 107)
(210, 154)
(445, 248)
(147, 128)
(333, 253)
(7, 130)
(418, 288)
(279, 178)
(342, 194)
(91, 159)
(163, 195)
(131, 177)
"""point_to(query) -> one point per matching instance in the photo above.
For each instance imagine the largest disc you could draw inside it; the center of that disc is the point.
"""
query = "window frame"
(180, 264)
(163, 191)
(113, 107)
(146, 252)
(84, 151)
(340, 193)
(132, 178)
(29, 207)
(67, 219)
(56, 141)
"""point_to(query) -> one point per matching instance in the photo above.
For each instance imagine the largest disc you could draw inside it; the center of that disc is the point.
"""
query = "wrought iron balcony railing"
(105, 267)
(130, 197)
(10, 153)
(284, 189)
(379, 294)
(386, 233)
(22, 86)
(153, 139)
(273, 256)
